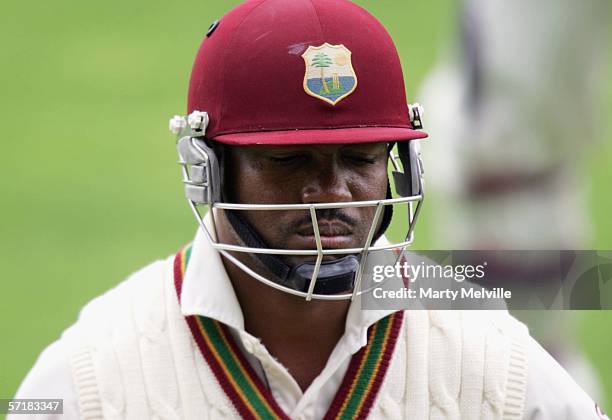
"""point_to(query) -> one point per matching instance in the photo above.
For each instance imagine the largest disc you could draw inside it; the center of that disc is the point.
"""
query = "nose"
(328, 185)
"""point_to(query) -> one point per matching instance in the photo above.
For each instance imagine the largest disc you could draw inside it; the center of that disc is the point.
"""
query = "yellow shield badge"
(329, 73)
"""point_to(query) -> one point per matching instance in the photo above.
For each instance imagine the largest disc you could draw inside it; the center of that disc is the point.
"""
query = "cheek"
(253, 184)
(370, 185)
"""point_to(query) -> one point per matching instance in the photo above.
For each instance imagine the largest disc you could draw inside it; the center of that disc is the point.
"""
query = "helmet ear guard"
(411, 183)
(201, 172)
(200, 164)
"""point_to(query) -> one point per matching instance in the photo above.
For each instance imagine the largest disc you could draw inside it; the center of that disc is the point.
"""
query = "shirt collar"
(208, 291)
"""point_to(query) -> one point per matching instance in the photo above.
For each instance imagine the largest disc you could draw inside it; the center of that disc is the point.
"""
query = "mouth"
(334, 234)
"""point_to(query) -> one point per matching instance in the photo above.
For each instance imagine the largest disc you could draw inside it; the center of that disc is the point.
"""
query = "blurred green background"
(89, 184)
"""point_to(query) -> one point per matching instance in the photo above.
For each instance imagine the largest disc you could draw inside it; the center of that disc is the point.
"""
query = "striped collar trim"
(354, 398)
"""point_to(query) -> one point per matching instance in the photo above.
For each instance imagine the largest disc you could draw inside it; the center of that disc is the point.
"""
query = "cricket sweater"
(134, 356)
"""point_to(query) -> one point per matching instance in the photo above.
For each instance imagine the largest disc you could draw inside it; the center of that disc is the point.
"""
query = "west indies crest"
(329, 74)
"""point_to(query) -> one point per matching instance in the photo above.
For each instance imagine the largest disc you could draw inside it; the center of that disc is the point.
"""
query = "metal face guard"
(201, 176)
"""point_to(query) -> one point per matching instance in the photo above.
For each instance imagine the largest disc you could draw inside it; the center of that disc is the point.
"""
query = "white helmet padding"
(202, 165)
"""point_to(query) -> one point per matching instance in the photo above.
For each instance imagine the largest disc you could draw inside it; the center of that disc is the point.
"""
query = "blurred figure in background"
(515, 111)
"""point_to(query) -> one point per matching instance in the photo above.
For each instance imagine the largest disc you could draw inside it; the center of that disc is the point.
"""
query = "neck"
(289, 325)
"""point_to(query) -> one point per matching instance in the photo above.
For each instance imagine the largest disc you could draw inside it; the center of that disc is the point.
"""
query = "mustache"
(325, 214)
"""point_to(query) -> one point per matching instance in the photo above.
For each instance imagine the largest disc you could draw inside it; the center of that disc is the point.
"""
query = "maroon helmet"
(298, 72)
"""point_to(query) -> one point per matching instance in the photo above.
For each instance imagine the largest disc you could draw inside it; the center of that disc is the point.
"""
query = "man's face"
(303, 175)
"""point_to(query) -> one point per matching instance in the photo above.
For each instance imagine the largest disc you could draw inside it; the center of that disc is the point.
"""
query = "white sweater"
(130, 355)
(133, 357)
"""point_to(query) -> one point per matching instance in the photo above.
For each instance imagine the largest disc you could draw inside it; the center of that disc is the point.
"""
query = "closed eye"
(369, 160)
(287, 159)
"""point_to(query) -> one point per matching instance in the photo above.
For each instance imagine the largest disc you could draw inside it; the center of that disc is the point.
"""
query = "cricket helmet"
(298, 72)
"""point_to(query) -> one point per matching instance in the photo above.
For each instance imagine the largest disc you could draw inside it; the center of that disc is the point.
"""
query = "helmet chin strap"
(334, 277)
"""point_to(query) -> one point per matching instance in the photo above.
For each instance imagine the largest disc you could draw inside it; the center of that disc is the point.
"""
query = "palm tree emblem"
(329, 73)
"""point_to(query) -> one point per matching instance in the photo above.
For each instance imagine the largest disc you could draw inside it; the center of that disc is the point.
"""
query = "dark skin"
(300, 334)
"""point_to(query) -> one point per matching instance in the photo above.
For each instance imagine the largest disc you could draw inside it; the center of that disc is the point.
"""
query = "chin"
(308, 242)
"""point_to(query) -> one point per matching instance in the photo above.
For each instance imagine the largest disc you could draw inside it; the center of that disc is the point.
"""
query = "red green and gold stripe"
(251, 398)
(366, 371)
